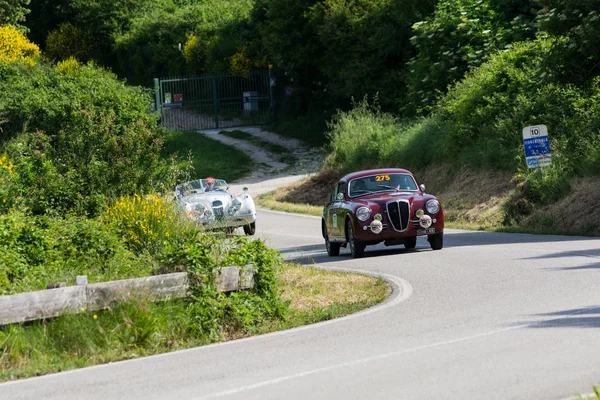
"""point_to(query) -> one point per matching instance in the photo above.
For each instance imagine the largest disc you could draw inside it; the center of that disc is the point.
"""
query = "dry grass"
(578, 213)
(309, 288)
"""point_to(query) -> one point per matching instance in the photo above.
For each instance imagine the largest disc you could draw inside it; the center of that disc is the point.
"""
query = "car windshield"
(382, 183)
(200, 186)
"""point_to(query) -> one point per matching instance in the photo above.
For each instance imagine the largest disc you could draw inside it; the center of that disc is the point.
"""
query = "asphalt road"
(491, 316)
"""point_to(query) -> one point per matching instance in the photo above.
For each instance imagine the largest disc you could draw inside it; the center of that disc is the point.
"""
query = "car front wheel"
(250, 229)
(411, 243)
(357, 248)
(436, 241)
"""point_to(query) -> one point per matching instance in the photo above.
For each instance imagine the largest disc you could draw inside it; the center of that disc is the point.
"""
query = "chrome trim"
(408, 219)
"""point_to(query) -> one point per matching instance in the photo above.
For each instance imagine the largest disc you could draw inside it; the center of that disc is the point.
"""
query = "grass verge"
(270, 200)
(308, 129)
(140, 329)
(285, 156)
(207, 156)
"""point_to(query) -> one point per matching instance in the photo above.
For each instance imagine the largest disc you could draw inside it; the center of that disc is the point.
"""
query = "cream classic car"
(209, 202)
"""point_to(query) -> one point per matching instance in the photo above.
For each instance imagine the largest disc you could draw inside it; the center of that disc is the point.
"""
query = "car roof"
(369, 172)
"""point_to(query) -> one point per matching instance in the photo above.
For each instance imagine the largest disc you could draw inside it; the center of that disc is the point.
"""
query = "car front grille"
(217, 207)
(399, 214)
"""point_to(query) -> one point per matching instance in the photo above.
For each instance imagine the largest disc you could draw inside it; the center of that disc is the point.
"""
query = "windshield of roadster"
(200, 186)
(382, 183)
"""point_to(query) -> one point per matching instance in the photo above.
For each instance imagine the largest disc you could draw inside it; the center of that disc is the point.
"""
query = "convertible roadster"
(209, 202)
(381, 205)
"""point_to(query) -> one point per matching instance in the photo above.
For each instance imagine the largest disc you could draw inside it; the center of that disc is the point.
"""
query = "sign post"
(537, 146)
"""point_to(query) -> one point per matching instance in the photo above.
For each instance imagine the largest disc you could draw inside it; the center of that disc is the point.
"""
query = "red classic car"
(381, 205)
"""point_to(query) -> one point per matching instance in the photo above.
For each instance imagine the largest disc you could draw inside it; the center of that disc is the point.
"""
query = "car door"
(328, 213)
(338, 210)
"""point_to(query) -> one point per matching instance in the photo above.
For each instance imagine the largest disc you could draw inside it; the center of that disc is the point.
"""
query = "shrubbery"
(15, 47)
(458, 37)
(77, 136)
(67, 41)
(35, 251)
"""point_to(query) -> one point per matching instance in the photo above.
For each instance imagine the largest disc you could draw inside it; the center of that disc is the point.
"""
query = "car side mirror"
(340, 196)
(422, 187)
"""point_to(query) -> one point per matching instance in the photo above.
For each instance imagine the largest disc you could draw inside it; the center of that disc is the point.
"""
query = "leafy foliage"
(458, 37)
(42, 250)
(68, 41)
(579, 21)
(13, 12)
(364, 46)
(74, 145)
(14, 47)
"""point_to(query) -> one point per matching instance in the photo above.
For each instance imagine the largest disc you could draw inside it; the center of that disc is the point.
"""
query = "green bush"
(213, 312)
(78, 137)
(35, 251)
(458, 37)
(67, 41)
(489, 108)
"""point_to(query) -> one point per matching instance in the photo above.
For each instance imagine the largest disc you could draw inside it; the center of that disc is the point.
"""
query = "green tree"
(366, 45)
(579, 21)
(458, 37)
(14, 12)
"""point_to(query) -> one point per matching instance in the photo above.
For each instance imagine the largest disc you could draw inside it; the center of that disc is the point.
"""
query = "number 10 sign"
(537, 146)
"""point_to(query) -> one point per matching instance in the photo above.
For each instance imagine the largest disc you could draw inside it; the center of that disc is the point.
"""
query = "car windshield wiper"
(397, 188)
(357, 191)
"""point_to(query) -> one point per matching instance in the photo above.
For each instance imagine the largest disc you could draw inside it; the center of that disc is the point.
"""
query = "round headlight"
(363, 213)
(377, 217)
(425, 221)
(236, 204)
(376, 226)
(432, 206)
(419, 213)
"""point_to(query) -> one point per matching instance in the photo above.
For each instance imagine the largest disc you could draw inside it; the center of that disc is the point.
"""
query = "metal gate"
(216, 101)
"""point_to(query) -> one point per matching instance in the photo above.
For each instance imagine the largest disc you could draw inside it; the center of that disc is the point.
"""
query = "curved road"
(491, 316)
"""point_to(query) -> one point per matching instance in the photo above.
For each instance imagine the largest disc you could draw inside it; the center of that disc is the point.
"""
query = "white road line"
(288, 213)
(288, 234)
(378, 357)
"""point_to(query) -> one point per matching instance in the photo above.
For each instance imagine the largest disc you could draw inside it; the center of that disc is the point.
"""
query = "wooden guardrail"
(99, 296)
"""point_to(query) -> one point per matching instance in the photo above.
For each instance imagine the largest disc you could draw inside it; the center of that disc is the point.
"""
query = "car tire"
(436, 241)
(357, 248)
(411, 243)
(333, 249)
(250, 229)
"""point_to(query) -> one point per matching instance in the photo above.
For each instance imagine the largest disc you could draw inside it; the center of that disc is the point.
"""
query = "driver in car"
(210, 183)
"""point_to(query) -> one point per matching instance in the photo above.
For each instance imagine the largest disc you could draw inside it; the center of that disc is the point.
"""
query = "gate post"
(157, 95)
(272, 84)
(215, 102)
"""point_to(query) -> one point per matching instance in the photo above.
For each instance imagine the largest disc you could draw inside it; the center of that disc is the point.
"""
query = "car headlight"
(363, 213)
(236, 204)
(432, 206)
(199, 210)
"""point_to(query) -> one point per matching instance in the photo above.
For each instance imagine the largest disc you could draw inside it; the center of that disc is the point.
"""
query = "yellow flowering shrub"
(67, 41)
(6, 164)
(147, 222)
(7, 169)
(192, 50)
(14, 47)
(241, 63)
(70, 66)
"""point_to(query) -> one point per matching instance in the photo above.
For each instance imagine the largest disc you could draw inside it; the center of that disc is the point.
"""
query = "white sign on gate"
(537, 146)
